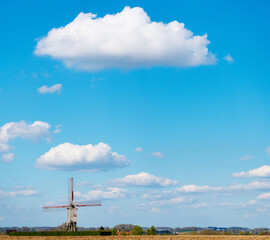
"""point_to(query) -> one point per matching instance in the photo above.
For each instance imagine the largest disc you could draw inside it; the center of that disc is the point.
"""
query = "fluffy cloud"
(264, 196)
(18, 193)
(263, 171)
(52, 89)
(172, 201)
(143, 179)
(228, 58)
(124, 40)
(13, 130)
(157, 154)
(93, 158)
(7, 157)
(197, 189)
(138, 149)
(105, 193)
(1, 218)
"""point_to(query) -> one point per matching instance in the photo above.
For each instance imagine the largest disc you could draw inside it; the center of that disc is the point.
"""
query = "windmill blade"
(54, 208)
(88, 204)
(70, 190)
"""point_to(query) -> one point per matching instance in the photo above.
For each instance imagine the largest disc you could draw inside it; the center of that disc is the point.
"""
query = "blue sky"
(199, 122)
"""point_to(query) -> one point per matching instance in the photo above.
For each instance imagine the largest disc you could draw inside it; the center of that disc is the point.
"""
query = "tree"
(101, 228)
(148, 231)
(153, 231)
(137, 230)
(114, 231)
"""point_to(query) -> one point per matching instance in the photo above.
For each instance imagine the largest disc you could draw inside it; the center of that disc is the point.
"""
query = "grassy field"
(186, 237)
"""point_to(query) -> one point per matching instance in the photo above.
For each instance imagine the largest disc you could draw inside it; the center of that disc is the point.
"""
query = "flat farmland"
(183, 237)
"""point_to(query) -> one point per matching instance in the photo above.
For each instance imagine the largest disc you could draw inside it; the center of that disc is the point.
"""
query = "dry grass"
(186, 237)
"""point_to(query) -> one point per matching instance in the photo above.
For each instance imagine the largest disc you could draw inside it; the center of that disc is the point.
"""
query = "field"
(189, 237)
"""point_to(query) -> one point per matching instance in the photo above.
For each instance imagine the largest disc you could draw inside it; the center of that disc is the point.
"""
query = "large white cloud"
(263, 171)
(13, 130)
(93, 158)
(143, 179)
(124, 40)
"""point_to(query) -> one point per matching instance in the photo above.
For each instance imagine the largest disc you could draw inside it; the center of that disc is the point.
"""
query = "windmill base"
(71, 227)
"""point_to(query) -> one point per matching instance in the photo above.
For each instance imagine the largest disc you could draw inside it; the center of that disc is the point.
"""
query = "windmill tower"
(72, 209)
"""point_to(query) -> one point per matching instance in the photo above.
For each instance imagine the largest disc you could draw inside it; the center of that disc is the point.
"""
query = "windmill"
(72, 209)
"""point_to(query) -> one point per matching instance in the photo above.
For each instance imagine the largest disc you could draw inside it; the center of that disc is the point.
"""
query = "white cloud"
(172, 201)
(105, 193)
(250, 203)
(247, 157)
(1, 218)
(264, 196)
(155, 210)
(52, 89)
(198, 189)
(93, 158)
(124, 40)
(200, 205)
(157, 154)
(57, 128)
(138, 149)
(143, 179)
(195, 189)
(18, 193)
(263, 171)
(13, 130)
(256, 185)
(229, 58)
(8, 157)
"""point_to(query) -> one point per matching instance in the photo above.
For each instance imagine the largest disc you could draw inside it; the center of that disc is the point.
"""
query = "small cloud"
(103, 193)
(200, 205)
(55, 88)
(138, 149)
(8, 157)
(1, 218)
(155, 210)
(19, 193)
(228, 58)
(250, 203)
(264, 196)
(157, 154)
(143, 179)
(247, 157)
(57, 128)
(263, 171)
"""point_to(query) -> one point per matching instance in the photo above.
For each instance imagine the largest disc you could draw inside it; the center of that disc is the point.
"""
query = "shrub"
(61, 233)
(137, 230)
